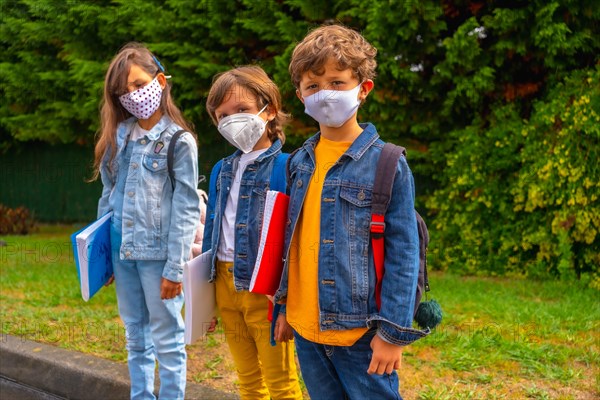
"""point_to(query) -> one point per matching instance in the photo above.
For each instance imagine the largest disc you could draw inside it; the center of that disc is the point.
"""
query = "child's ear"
(299, 95)
(271, 113)
(162, 80)
(365, 89)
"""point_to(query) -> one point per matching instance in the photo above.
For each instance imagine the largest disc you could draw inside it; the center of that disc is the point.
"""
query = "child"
(153, 220)
(346, 347)
(246, 107)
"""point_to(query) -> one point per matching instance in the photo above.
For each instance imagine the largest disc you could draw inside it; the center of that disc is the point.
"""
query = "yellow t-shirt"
(303, 286)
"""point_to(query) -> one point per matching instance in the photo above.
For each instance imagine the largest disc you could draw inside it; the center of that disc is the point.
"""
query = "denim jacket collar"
(124, 129)
(275, 147)
(360, 145)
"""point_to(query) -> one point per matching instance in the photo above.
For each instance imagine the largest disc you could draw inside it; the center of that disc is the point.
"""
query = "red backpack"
(427, 314)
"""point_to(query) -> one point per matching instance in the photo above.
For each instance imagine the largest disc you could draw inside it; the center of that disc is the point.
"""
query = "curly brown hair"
(346, 46)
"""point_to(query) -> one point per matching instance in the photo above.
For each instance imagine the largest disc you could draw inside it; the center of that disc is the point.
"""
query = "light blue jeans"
(340, 372)
(154, 328)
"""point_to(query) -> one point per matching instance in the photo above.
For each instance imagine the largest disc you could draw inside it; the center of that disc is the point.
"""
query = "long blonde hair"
(254, 79)
(112, 112)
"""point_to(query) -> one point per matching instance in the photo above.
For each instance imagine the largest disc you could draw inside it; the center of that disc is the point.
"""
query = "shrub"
(18, 220)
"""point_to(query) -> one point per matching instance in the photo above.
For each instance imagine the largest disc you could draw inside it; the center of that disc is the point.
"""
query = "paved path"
(37, 371)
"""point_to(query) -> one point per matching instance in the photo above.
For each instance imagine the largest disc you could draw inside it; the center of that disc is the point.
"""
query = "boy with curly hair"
(347, 347)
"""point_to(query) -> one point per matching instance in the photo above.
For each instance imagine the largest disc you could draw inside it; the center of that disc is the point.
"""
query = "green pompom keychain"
(429, 314)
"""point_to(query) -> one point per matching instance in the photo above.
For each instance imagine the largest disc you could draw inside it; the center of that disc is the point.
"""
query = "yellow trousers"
(264, 371)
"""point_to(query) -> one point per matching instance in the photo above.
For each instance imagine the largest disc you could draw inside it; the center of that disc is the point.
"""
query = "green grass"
(500, 338)
(40, 298)
(508, 338)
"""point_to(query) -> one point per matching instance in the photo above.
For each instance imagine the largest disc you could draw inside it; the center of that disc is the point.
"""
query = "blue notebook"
(91, 248)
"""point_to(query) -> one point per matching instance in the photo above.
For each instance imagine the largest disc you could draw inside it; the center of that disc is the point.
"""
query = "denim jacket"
(250, 209)
(346, 270)
(157, 222)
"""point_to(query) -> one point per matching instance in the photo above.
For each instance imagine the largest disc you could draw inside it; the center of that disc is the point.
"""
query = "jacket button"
(361, 195)
(127, 254)
(134, 166)
(129, 224)
(154, 165)
(143, 141)
(299, 183)
(130, 194)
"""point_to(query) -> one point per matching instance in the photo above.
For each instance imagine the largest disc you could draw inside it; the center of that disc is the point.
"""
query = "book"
(199, 296)
(92, 253)
(269, 261)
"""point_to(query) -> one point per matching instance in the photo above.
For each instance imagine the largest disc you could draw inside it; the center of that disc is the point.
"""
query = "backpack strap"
(287, 165)
(171, 155)
(278, 181)
(382, 194)
(279, 173)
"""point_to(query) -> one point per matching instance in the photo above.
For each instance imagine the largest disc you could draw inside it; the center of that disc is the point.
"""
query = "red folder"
(269, 261)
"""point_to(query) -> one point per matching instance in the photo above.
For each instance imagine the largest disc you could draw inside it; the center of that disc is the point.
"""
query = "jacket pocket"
(358, 196)
(155, 164)
(356, 209)
(155, 172)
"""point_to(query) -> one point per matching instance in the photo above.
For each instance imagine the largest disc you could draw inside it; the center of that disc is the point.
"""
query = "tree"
(483, 93)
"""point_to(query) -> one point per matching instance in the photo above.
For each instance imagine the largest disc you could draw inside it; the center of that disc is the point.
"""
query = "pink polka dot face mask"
(144, 102)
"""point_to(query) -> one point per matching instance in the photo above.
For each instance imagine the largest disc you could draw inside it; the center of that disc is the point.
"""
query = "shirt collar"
(360, 145)
(159, 128)
(125, 127)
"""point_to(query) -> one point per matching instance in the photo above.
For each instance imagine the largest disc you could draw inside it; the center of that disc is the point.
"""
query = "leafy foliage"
(18, 221)
(489, 97)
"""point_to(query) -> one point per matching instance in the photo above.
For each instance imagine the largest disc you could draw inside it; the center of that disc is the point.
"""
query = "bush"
(17, 221)
(523, 194)
(493, 99)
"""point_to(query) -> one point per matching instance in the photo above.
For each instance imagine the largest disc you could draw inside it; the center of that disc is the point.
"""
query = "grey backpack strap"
(171, 155)
(384, 177)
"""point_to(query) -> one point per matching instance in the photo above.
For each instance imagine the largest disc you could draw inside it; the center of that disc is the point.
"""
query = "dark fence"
(50, 180)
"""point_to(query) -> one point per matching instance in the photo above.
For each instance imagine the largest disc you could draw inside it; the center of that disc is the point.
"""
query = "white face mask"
(332, 107)
(243, 130)
(144, 102)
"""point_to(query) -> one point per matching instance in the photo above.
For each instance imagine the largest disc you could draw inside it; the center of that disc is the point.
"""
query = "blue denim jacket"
(346, 270)
(156, 222)
(250, 209)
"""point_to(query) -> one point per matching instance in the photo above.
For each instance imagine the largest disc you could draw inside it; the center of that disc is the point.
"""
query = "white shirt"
(137, 132)
(225, 251)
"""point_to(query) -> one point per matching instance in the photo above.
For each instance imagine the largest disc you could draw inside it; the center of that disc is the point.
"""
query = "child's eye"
(242, 109)
(312, 86)
(221, 116)
(337, 83)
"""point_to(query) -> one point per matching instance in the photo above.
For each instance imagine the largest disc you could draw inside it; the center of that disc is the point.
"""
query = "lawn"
(500, 338)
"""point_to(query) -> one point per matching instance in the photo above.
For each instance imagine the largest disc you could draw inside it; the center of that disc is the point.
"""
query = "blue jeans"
(154, 328)
(340, 372)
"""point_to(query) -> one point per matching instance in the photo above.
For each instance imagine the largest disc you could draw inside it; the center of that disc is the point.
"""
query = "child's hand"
(283, 330)
(386, 357)
(213, 325)
(170, 289)
(110, 280)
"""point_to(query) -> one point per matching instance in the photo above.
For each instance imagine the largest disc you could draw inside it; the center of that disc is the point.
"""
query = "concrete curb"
(73, 375)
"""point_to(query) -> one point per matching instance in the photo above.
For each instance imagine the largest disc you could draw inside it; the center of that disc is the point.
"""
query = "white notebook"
(199, 295)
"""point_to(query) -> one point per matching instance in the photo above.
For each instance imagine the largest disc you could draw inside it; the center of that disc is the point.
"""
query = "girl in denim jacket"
(246, 107)
(154, 219)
